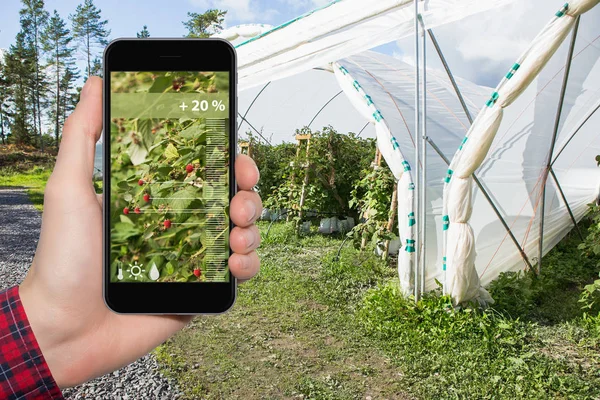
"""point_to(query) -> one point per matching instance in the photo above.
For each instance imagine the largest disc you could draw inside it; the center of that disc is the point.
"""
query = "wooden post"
(246, 148)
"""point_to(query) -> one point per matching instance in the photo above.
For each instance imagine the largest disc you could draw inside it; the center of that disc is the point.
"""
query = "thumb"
(75, 161)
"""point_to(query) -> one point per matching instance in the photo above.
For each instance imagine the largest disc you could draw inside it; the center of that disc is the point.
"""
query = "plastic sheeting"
(340, 29)
(510, 173)
(462, 280)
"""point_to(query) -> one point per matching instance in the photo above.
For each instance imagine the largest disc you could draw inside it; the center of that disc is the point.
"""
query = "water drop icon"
(154, 274)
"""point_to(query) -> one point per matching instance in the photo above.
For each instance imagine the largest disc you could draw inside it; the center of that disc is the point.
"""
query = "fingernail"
(251, 209)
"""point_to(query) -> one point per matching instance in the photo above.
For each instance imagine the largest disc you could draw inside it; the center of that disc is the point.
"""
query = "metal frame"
(251, 104)
(585, 120)
(423, 138)
(546, 171)
(363, 128)
(416, 201)
(322, 108)
(475, 178)
(254, 129)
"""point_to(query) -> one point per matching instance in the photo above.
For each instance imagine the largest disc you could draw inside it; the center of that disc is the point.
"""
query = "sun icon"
(135, 270)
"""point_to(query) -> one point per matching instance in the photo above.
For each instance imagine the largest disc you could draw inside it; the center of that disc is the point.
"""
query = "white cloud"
(304, 5)
(238, 10)
(481, 47)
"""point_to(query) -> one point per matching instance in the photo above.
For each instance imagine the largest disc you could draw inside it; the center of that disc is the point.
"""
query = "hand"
(62, 293)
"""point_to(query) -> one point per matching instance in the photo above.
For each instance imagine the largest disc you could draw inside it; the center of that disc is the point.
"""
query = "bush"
(332, 167)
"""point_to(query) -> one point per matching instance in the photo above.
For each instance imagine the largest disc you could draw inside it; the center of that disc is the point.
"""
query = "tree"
(56, 40)
(90, 32)
(33, 21)
(206, 24)
(144, 33)
(19, 73)
(4, 99)
(71, 93)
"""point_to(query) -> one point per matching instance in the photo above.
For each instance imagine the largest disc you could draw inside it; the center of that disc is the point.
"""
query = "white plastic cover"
(340, 29)
(517, 155)
(463, 282)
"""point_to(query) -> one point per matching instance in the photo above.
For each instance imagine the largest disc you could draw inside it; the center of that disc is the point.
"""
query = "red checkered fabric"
(24, 373)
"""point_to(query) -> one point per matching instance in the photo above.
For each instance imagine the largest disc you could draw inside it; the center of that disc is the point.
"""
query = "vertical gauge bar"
(216, 197)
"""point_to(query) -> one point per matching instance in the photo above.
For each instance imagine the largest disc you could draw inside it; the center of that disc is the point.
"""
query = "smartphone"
(169, 147)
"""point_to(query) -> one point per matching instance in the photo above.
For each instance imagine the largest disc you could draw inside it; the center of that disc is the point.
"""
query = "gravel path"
(19, 232)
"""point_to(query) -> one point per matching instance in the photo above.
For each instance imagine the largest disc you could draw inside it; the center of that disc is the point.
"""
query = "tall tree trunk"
(57, 116)
(36, 98)
(87, 36)
(2, 125)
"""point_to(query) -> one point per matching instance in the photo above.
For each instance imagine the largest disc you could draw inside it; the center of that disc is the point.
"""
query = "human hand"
(79, 336)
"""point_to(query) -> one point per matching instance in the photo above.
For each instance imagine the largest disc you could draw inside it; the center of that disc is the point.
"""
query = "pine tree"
(90, 32)
(33, 21)
(56, 41)
(20, 73)
(4, 100)
(206, 24)
(71, 93)
(144, 33)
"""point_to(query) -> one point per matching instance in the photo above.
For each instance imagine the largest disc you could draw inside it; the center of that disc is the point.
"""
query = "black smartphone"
(169, 147)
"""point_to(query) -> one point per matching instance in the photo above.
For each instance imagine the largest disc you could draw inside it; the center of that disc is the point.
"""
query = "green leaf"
(123, 231)
(182, 199)
(171, 152)
(137, 153)
(161, 84)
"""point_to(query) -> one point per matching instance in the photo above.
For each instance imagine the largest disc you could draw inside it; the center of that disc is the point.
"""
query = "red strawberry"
(197, 272)
(141, 182)
(167, 223)
(126, 211)
(146, 197)
(189, 168)
(136, 210)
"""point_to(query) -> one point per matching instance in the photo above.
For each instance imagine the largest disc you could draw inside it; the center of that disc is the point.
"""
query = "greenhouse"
(489, 180)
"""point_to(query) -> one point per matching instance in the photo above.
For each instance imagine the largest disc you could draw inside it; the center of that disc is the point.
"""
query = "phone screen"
(169, 176)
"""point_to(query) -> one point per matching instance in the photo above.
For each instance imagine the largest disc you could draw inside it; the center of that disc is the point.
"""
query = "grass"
(34, 179)
(313, 327)
(26, 168)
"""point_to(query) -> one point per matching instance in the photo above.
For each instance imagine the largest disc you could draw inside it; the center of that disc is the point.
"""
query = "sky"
(163, 17)
(477, 48)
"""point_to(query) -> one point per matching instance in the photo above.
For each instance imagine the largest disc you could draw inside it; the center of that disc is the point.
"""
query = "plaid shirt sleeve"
(24, 373)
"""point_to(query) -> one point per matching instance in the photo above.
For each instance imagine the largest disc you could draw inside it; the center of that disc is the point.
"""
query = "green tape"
(411, 186)
(406, 166)
(369, 99)
(446, 222)
(395, 144)
(463, 143)
(410, 246)
(493, 100)
(356, 85)
(510, 75)
(411, 219)
(516, 67)
(377, 115)
(444, 264)
(448, 176)
(562, 11)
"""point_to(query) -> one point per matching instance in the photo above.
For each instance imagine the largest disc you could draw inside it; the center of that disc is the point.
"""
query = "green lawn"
(33, 179)
(312, 327)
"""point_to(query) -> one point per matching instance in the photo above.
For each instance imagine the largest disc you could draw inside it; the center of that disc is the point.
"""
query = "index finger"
(246, 172)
